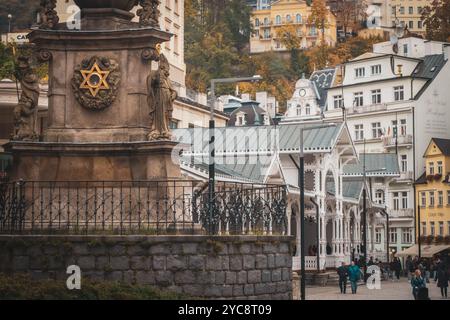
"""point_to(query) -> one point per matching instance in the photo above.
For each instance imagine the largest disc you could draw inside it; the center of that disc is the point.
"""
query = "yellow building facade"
(288, 12)
(409, 14)
(433, 192)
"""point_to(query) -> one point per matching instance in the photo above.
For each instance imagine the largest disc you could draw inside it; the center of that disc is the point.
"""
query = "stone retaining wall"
(231, 267)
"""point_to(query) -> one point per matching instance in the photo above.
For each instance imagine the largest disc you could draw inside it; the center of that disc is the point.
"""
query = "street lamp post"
(212, 151)
(9, 22)
(301, 185)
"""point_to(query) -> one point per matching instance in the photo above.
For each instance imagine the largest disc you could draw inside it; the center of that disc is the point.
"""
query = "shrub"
(22, 287)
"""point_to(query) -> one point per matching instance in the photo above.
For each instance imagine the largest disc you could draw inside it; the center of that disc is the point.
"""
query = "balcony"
(406, 176)
(367, 108)
(402, 213)
(402, 141)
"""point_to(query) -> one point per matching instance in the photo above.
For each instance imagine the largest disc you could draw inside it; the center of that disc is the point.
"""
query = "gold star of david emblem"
(94, 79)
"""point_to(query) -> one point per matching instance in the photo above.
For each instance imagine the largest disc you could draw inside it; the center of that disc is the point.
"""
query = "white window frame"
(404, 200)
(359, 132)
(375, 69)
(399, 93)
(377, 132)
(431, 198)
(396, 200)
(360, 72)
(440, 198)
(376, 96)
(404, 162)
(439, 167)
(358, 99)
(338, 101)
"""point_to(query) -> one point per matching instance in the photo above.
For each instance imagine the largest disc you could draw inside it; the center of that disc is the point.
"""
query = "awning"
(427, 251)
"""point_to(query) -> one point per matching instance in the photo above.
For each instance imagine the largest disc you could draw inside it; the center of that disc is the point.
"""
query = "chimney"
(446, 51)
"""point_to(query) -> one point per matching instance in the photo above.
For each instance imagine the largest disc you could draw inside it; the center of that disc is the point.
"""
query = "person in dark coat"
(397, 267)
(442, 278)
(343, 274)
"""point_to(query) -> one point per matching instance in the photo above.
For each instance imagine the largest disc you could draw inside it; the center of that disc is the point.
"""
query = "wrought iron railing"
(141, 207)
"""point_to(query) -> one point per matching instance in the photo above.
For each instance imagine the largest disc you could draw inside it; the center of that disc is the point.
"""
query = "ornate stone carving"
(25, 112)
(150, 54)
(48, 15)
(149, 13)
(43, 55)
(161, 96)
(95, 82)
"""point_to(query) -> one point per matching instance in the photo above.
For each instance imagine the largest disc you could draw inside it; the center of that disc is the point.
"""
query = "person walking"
(397, 267)
(409, 267)
(419, 285)
(353, 276)
(442, 278)
(343, 274)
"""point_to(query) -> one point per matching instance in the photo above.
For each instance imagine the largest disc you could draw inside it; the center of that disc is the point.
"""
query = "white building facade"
(392, 104)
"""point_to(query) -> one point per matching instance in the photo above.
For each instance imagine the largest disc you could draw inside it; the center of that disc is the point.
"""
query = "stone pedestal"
(133, 161)
(127, 117)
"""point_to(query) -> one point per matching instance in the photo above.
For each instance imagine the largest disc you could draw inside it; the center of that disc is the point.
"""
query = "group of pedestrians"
(353, 273)
(418, 271)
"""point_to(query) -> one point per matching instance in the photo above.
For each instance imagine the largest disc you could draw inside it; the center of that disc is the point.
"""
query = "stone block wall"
(230, 267)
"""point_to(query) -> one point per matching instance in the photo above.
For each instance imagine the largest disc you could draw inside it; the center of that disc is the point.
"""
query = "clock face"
(302, 92)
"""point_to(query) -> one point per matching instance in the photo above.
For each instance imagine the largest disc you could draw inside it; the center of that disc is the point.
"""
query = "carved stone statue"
(25, 113)
(48, 15)
(161, 96)
(149, 13)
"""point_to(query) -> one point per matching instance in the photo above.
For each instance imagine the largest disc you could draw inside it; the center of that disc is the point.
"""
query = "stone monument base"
(130, 161)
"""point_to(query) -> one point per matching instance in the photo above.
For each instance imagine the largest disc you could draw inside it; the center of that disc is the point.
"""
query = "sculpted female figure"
(161, 96)
(25, 112)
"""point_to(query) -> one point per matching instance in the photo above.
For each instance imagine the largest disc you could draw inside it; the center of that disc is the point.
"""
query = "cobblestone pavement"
(389, 291)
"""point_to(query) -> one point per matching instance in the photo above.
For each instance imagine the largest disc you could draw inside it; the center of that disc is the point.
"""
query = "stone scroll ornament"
(48, 15)
(149, 13)
(95, 82)
(160, 99)
(25, 112)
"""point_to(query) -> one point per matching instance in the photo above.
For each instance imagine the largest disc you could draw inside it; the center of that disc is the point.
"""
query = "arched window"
(298, 18)
(266, 21)
(307, 109)
(288, 18)
(256, 22)
(278, 19)
(313, 31)
(299, 110)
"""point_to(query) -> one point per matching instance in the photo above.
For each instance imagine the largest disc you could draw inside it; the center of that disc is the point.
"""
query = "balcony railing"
(404, 140)
(141, 207)
(367, 108)
(310, 263)
(405, 176)
(402, 213)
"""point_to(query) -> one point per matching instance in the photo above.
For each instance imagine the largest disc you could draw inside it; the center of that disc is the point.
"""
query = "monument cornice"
(139, 38)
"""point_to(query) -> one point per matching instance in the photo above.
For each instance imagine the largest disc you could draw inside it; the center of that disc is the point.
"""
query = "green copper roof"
(376, 164)
(259, 139)
(351, 188)
(247, 168)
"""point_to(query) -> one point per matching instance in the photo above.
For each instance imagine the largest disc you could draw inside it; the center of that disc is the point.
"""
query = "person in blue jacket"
(353, 276)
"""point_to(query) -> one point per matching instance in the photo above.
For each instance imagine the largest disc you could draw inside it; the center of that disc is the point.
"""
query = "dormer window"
(240, 119)
(299, 110)
(307, 109)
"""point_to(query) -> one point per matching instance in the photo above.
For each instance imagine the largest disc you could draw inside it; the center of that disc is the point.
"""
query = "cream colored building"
(266, 21)
(408, 13)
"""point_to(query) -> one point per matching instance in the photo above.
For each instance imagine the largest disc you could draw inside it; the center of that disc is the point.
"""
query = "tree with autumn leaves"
(436, 19)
